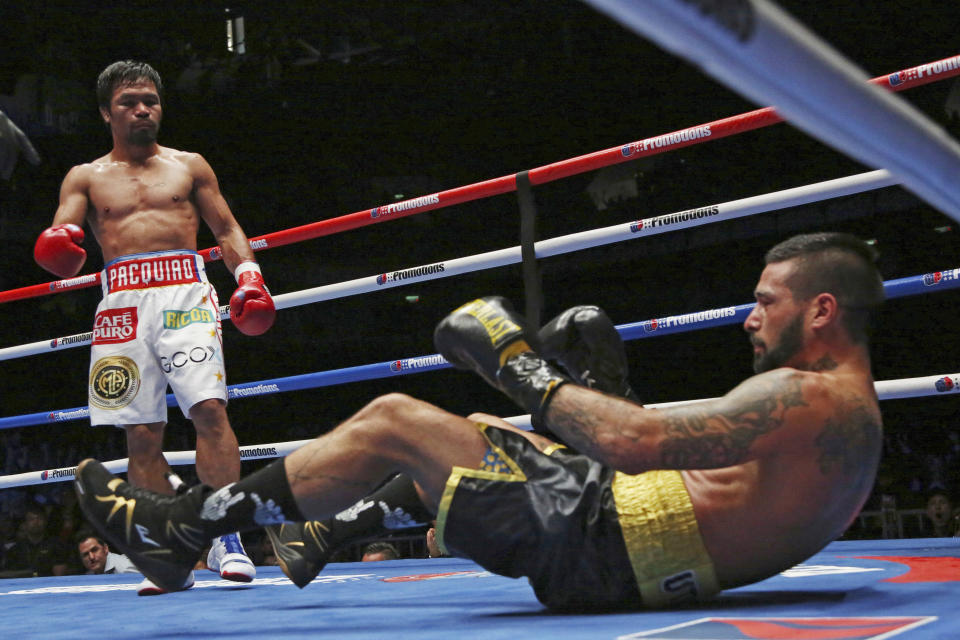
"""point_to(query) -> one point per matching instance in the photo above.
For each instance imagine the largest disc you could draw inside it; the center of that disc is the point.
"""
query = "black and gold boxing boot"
(162, 535)
(302, 549)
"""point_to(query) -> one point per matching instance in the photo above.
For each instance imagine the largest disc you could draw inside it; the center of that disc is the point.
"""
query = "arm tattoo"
(702, 439)
(847, 439)
(582, 429)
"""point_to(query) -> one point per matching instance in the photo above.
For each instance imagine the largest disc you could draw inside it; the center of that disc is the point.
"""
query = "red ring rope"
(759, 118)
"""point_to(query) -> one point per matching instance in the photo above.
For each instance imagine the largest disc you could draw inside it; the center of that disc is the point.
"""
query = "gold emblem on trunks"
(114, 382)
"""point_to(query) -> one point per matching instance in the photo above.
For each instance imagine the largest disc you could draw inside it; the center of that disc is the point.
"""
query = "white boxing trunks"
(158, 324)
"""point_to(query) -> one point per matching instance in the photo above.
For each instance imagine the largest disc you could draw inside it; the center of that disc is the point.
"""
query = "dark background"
(414, 98)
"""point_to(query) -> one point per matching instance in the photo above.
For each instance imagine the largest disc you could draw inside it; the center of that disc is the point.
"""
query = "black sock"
(260, 499)
(394, 506)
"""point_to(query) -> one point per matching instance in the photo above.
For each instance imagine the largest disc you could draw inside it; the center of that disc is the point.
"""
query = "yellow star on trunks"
(219, 376)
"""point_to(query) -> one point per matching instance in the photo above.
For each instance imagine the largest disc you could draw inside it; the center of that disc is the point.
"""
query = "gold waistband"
(663, 540)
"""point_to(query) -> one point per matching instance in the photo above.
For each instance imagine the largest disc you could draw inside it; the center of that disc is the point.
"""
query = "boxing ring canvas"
(861, 590)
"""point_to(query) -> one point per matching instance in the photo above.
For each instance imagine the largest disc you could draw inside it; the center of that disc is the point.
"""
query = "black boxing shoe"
(153, 530)
(302, 549)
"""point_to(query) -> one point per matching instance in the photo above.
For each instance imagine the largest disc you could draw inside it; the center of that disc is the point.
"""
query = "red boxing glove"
(251, 307)
(58, 250)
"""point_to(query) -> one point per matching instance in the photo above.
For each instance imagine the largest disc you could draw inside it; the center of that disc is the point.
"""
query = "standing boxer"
(159, 321)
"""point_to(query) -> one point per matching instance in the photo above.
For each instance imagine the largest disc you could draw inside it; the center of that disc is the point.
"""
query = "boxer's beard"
(143, 136)
(791, 341)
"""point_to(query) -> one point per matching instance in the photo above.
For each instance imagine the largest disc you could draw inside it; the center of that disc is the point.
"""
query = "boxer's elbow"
(630, 461)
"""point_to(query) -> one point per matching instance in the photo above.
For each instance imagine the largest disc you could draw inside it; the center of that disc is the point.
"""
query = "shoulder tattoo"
(826, 363)
(701, 439)
(846, 439)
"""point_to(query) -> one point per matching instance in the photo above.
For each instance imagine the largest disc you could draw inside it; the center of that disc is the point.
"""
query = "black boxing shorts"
(586, 537)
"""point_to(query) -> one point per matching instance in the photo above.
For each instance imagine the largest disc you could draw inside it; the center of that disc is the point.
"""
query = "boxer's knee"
(146, 464)
(145, 440)
(209, 416)
(391, 421)
(382, 417)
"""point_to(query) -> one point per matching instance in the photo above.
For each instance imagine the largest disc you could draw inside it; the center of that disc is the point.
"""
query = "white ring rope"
(759, 51)
(773, 201)
(886, 390)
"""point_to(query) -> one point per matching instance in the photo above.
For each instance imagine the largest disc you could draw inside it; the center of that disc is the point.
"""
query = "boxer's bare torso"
(145, 197)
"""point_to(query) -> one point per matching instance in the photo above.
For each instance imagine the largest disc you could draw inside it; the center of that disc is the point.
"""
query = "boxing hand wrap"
(586, 344)
(530, 381)
(58, 250)
(487, 337)
(251, 307)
